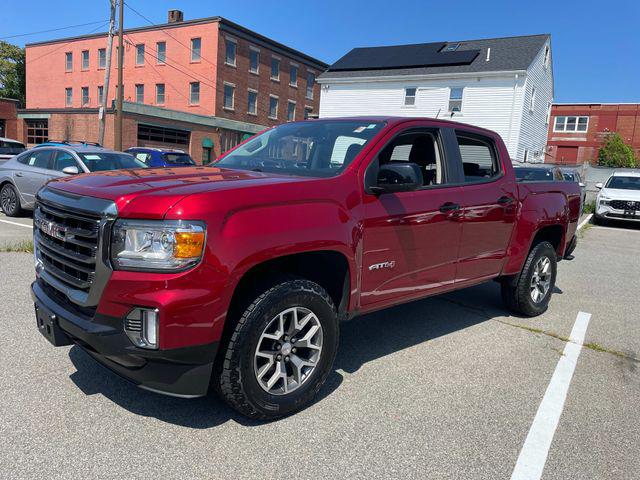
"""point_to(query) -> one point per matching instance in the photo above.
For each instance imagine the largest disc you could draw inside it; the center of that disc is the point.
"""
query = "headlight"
(156, 245)
(602, 200)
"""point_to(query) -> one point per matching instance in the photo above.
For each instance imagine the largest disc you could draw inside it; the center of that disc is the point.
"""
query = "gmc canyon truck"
(236, 276)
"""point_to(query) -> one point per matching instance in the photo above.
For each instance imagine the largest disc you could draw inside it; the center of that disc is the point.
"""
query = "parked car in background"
(161, 157)
(572, 175)
(538, 174)
(618, 198)
(9, 148)
(238, 274)
(22, 176)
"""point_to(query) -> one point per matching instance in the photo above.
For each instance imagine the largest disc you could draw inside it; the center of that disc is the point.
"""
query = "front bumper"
(607, 212)
(183, 372)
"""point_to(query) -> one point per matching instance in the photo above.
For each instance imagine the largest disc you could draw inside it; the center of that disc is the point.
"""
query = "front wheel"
(281, 351)
(532, 291)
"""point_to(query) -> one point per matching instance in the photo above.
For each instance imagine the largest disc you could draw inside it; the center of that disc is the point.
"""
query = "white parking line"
(16, 223)
(533, 455)
(585, 221)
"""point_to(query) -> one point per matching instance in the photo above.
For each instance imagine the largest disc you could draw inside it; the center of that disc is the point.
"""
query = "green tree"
(615, 153)
(12, 72)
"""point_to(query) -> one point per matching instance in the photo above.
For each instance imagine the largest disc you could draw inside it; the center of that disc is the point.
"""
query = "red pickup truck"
(237, 275)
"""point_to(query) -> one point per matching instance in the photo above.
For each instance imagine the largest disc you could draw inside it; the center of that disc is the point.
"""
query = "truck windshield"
(317, 148)
(178, 158)
(624, 183)
(103, 161)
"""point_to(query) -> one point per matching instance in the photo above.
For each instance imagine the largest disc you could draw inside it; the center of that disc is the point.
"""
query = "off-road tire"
(16, 210)
(236, 381)
(517, 295)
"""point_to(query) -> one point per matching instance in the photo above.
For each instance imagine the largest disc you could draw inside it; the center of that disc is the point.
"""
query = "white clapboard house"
(503, 84)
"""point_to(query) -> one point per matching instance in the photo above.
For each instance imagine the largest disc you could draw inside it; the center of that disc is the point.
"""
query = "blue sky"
(596, 45)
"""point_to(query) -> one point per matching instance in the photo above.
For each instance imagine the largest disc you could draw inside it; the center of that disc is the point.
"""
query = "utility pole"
(107, 75)
(120, 93)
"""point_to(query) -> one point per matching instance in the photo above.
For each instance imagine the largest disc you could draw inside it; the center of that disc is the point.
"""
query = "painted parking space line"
(535, 450)
(17, 224)
(585, 221)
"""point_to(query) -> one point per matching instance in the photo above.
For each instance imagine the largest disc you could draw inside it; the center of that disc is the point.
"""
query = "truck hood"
(150, 193)
(621, 194)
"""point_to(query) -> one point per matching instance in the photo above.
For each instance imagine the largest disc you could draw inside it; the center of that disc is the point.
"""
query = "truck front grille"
(67, 244)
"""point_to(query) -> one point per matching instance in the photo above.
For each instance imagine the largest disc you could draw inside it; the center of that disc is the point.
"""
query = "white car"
(619, 198)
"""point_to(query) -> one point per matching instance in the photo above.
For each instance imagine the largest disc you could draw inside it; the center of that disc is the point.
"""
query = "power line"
(52, 30)
(66, 43)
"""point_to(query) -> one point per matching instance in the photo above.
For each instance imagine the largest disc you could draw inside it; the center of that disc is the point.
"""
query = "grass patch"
(24, 246)
(589, 208)
(584, 229)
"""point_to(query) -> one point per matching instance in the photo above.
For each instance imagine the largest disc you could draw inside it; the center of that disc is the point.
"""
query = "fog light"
(141, 326)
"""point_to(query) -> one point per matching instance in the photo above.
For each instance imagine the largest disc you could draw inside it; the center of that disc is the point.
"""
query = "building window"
(252, 102)
(102, 58)
(254, 60)
(196, 45)
(139, 93)
(68, 61)
(68, 97)
(229, 91)
(85, 96)
(159, 93)
(526, 156)
(230, 52)
(546, 56)
(291, 111)
(155, 134)
(85, 60)
(100, 94)
(293, 75)
(229, 139)
(410, 96)
(206, 155)
(161, 50)
(140, 54)
(311, 79)
(455, 99)
(275, 68)
(308, 112)
(194, 93)
(273, 107)
(37, 131)
(532, 101)
(571, 124)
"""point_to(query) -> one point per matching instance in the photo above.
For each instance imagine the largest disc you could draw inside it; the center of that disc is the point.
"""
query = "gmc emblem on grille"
(53, 229)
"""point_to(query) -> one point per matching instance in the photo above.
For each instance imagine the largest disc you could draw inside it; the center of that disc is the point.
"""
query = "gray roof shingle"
(507, 54)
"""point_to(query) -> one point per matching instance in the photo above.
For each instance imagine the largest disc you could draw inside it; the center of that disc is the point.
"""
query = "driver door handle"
(449, 207)
(505, 200)
(19, 174)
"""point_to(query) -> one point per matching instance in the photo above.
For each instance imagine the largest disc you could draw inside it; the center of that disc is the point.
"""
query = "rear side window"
(37, 159)
(479, 159)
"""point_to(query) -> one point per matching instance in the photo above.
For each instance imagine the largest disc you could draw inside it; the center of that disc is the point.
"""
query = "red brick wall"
(603, 119)
(243, 79)
(8, 114)
(47, 79)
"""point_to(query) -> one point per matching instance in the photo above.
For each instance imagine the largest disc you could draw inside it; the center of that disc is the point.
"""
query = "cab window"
(479, 159)
(419, 147)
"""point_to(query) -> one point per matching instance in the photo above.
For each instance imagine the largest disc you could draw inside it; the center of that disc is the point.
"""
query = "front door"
(34, 173)
(489, 200)
(410, 239)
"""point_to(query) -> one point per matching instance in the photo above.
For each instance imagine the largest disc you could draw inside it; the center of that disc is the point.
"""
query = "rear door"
(489, 201)
(34, 172)
(410, 239)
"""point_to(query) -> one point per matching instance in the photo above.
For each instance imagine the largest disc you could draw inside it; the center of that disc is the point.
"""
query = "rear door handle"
(505, 200)
(449, 207)
(19, 174)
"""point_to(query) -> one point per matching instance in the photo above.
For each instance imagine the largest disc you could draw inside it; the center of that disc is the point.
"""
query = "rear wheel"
(532, 290)
(281, 351)
(10, 201)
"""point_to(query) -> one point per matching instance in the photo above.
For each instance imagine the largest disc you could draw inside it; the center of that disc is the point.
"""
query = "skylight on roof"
(451, 47)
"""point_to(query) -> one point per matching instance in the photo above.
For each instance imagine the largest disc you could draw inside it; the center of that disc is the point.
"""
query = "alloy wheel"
(288, 351)
(541, 279)
(8, 200)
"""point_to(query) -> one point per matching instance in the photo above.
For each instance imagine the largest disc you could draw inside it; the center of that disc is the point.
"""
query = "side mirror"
(599, 186)
(398, 177)
(71, 170)
(581, 185)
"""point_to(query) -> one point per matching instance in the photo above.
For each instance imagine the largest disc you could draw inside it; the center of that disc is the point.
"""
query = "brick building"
(8, 118)
(200, 85)
(576, 131)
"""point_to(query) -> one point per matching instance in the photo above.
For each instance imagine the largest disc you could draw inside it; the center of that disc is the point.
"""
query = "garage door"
(157, 136)
(567, 156)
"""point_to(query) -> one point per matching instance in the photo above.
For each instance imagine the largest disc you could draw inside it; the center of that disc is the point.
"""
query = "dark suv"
(161, 157)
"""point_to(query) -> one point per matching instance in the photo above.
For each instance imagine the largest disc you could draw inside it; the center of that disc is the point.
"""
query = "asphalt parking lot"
(448, 387)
